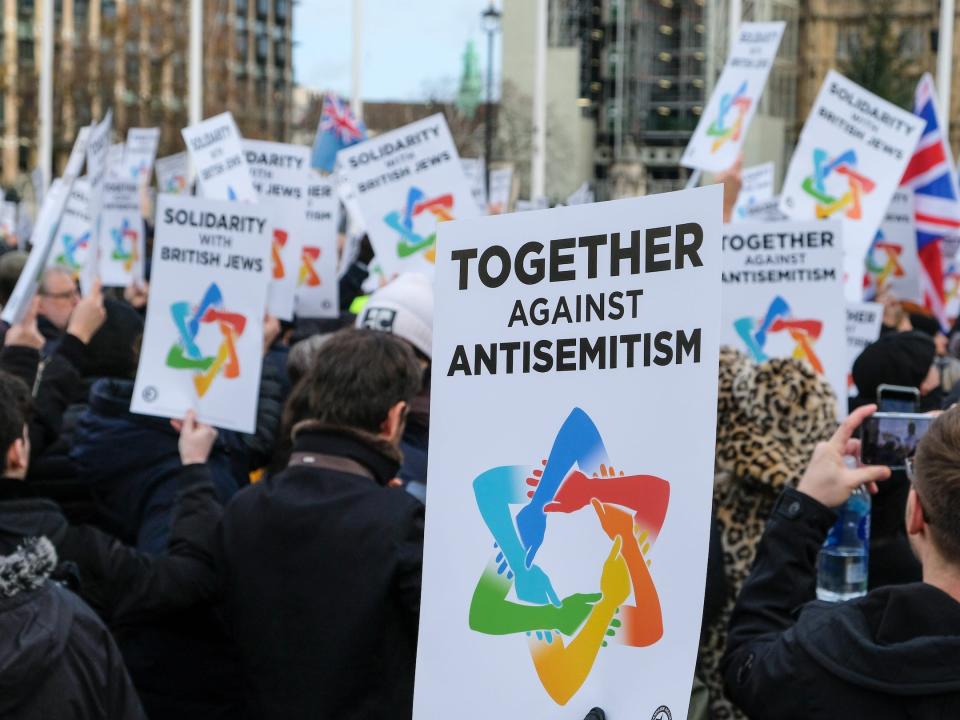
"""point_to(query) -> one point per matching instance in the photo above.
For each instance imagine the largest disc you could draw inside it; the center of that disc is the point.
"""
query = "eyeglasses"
(65, 295)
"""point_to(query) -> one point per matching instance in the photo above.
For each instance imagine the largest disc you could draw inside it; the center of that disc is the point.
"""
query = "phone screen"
(890, 438)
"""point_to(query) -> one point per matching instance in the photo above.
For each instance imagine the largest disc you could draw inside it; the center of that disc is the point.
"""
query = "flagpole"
(195, 72)
(945, 64)
(356, 104)
(46, 93)
(538, 169)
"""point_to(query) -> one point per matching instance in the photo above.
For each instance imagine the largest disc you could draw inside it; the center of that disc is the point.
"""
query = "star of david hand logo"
(308, 270)
(125, 246)
(411, 242)
(187, 355)
(566, 634)
(830, 202)
(719, 129)
(276, 253)
(891, 267)
(779, 318)
(71, 246)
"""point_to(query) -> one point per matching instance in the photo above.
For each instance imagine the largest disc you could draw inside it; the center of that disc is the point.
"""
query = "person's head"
(905, 359)
(404, 308)
(359, 380)
(58, 296)
(933, 506)
(15, 408)
(11, 265)
(114, 350)
(302, 356)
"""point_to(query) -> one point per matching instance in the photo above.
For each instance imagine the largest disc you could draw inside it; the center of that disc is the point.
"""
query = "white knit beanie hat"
(404, 307)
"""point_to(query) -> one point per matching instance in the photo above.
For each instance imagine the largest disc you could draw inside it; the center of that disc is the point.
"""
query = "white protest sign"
(280, 177)
(121, 256)
(951, 286)
(98, 152)
(757, 187)
(764, 211)
(501, 189)
(141, 150)
(541, 203)
(115, 160)
(851, 155)
(203, 340)
(78, 154)
(864, 320)
(173, 174)
(783, 296)
(475, 170)
(41, 243)
(217, 156)
(718, 140)
(582, 316)
(408, 181)
(318, 289)
(72, 245)
(581, 195)
(892, 264)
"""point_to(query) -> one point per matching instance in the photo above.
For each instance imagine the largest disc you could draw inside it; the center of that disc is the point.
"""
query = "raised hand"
(25, 333)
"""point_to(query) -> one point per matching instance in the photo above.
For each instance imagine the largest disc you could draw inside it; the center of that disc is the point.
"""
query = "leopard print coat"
(770, 417)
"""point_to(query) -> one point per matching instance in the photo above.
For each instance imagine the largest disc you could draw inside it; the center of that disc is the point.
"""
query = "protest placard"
(123, 249)
(718, 140)
(78, 154)
(280, 177)
(73, 240)
(501, 190)
(318, 290)
(115, 168)
(98, 151)
(408, 181)
(141, 150)
(173, 174)
(757, 187)
(218, 162)
(41, 241)
(540, 203)
(892, 264)
(203, 339)
(851, 155)
(581, 195)
(864, 320)
(475, 170)
(783, 296)
(589, 504)
(951, 286)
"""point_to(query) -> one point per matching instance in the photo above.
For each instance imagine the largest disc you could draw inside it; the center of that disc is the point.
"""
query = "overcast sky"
(411, 48)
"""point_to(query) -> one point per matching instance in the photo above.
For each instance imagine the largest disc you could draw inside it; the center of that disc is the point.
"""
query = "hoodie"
(894, 653)
(57, 659)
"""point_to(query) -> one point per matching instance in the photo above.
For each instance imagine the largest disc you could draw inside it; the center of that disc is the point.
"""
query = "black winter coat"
(894, 653)
(321, 572)
(57, 660)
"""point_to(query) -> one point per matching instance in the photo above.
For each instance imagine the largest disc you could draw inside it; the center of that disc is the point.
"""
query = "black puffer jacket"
(57, 660)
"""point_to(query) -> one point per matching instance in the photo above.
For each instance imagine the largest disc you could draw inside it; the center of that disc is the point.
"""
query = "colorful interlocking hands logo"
(139, 171)
(722, 130)
(71, 247)
(175, 184)
(185, 353)
(126, 245)
(882, 270)
(778, 318)
(576, 476)
(308, 268)
(280, 238)
(410, 242)
(951, 282)
(830, 202)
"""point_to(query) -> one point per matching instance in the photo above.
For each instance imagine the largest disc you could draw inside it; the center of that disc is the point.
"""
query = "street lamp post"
(491, 23)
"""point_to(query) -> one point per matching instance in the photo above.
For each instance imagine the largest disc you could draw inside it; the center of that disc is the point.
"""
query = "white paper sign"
(864, 320)
(98, 152)
(123, 247)
(582, 316)
(892, 264)
(408, 181)
(475, 170)
(72, 245)
(173, 174)
(141, 150)
(203, 340)
(217, 155)
(115, 160)
(718, 140)
(318, 289)
(951, 286)
(783, 296)
(501, 189)
(78, 154)
(280, 177)
(757, 188)
(851, 155)
(581, 195)
(41, 241)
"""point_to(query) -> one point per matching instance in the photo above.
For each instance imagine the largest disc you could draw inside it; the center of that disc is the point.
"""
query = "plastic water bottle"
(845, 555)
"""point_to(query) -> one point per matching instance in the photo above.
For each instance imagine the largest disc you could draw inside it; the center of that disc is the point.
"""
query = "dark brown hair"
(937, 482)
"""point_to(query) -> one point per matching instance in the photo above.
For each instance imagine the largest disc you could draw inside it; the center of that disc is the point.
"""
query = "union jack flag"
(932, 176)
(338, 129)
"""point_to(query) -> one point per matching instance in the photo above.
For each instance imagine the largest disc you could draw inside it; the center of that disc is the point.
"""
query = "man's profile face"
(58, 297)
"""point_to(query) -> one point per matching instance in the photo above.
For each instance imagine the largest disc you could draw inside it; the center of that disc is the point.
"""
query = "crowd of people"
(169, 570)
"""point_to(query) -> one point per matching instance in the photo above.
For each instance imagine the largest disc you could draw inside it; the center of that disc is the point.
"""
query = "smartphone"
(897, 399)
(888, 438)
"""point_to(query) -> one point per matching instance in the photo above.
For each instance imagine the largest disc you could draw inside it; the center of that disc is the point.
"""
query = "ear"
(392, 426)
(914, 514)
(17, 456)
